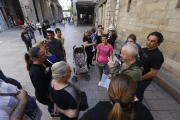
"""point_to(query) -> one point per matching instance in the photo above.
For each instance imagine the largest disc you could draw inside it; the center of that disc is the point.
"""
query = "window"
(129, 4)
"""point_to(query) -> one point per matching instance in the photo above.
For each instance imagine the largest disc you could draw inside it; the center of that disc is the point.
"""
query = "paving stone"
(174, 104)
(161, 115)
(162, 95)
(175, 114)
(149, 95)
(88, 87)
(100, 95)
(158, 105)
(89, 94)
(157, 86)
(150, 87)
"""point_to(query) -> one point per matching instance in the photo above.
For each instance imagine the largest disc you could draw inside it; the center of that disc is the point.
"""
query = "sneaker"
(99, 84)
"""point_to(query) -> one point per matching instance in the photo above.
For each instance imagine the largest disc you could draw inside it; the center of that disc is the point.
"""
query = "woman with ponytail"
(40, 80)
(123, 103)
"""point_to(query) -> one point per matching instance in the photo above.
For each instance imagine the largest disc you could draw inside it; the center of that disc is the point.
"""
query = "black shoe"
(91, 64)
(19, 86)
(88, 67)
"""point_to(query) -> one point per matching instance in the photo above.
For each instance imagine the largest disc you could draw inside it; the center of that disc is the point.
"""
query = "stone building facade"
(142, 17)
(42, 9)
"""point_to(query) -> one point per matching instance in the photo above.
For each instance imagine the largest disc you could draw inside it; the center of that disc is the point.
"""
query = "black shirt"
(112, 39)
(98, 38)
(151, 59)
(102, 109)
(40, 79)
(86, 39)
(66, 98)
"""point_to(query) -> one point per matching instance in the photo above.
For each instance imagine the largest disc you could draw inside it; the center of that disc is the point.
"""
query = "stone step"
(165, 79)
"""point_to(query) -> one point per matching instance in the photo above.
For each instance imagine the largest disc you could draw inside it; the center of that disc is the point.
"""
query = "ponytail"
(28, 61)
(117, 113)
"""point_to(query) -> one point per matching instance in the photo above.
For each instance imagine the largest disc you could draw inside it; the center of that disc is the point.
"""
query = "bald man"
(130, 66)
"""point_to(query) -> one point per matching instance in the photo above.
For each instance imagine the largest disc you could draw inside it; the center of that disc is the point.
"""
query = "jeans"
(33, 36)
(102, 70)
(141, 87)
(8, 80)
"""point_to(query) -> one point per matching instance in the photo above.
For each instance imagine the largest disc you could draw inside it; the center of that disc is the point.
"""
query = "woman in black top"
(111, 35)
(99, 34)
(64, 94)
(88, 48)
(123, 106)
(40, 80)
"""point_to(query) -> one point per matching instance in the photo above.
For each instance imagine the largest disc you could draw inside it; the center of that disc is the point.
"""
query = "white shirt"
(9, 103)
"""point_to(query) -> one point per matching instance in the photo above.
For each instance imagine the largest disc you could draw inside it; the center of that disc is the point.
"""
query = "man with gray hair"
(130, 65)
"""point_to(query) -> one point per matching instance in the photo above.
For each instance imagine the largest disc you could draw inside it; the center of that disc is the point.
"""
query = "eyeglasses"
(43, 41)
(42, 55)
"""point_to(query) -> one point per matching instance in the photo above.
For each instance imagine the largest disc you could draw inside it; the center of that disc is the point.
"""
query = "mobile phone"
(8, 94)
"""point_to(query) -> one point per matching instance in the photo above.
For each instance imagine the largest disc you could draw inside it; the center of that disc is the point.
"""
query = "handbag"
(101, 64)
(83, 103)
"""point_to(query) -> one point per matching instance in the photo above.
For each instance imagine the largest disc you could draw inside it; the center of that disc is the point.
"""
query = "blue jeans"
(8, 80)
(141, 87)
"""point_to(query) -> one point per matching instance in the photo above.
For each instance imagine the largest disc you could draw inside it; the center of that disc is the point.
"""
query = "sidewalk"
(161, 104)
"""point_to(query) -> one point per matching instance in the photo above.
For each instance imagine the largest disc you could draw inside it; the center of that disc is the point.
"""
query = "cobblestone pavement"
(162, 105)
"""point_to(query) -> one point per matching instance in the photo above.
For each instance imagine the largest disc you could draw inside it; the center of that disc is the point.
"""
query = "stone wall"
(45, 10)
(142, 17)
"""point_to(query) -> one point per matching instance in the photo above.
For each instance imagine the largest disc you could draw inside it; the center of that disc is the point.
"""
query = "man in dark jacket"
(30, 31)
(26, 38)
(45, 26)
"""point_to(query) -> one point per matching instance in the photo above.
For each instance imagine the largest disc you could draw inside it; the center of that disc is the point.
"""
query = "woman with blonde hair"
(123, 104)
(51, 58)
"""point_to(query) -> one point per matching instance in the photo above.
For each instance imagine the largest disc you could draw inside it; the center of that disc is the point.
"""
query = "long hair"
(33, 53)
(132, 36)
(122, 87)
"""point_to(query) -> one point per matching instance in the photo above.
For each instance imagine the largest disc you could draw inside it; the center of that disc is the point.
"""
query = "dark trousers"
(45, 101)
(39, 31)
(29, 46)
(8, 80)
(141, 87)
(89, 56)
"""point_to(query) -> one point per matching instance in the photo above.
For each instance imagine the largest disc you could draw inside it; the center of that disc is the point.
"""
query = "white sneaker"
(99, 84)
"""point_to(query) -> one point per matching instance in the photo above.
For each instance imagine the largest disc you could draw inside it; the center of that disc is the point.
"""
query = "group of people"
(141, 64)
(49, 74)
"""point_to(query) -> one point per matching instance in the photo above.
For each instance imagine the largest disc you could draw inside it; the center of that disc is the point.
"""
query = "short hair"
(59, 69)
(57, 29)
(157, 34)
(93, 30)
(104, 35)
(99, 26)
(132, 36)
(132, 49)
(50, 32)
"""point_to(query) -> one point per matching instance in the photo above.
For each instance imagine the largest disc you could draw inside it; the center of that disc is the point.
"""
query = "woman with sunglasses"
(51, 58)
(40, 80)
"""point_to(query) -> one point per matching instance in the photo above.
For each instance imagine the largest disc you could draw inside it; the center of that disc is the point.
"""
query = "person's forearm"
(97, 55)
(19, 111)
(87, 45)
(147, 76)
(71, 113)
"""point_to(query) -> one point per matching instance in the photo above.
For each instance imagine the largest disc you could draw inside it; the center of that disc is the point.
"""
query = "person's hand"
(22, 96)
(109, 76)
(56, 111)
(111, 63)
(65, 59)
(93, 43)
(140, 79)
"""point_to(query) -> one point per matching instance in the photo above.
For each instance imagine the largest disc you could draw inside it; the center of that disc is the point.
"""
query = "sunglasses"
(43, 41)
(42, 55)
